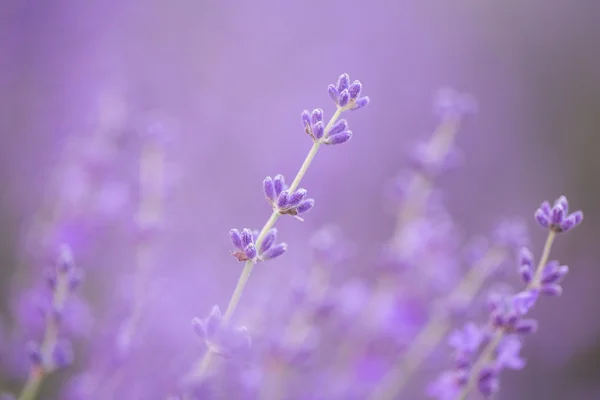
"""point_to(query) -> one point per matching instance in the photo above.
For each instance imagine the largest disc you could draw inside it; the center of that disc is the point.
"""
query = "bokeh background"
(227, 81)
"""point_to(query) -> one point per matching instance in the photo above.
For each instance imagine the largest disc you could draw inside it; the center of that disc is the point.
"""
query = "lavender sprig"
(501, 349)
(53, 352)
(346, 97)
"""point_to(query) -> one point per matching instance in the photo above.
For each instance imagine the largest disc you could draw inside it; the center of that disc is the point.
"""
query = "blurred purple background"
(229, 80)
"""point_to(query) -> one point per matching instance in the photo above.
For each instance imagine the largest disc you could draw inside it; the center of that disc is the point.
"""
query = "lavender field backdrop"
(139, 134)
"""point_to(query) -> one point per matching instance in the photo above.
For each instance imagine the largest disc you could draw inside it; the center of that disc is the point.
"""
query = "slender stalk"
(202, 367)
(487, 353)
(436, 328)
(38, 373)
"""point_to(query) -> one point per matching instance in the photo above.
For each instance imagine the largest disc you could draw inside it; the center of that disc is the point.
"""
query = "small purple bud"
(62, 355)
(316, 116)
(198, 326)
(542, 219)
(268, 241)
(236, 239)
(338, 127)
(318, 129)
(305, 206)
(571, 221)
(296, 197)
(247, 237)
(333, 93)
(562, 201)
(361, 102)
(306, 118)
(33, 351)
(344, 98)
(274, 251)
(250, 251)
(282, 200)
(339, 138)
(213, 322)
(554, 273)
(524, 301)
(526, 326)
(557, 215)
(354, 90)
(487, 373)
(526, 273)
(343, 82)
(546, 208)
(269, 189)
(552, 289)
(525, 257)
(279, 183)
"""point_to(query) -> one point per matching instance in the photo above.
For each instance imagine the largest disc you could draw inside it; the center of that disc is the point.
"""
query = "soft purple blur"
(229, 80)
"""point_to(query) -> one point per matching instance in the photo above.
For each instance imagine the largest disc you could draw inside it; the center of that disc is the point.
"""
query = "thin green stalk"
(487, 353)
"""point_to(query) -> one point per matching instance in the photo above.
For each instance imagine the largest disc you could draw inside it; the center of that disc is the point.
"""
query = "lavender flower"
(220, 338)
(283, 201)
(508, 320)
(245, 247)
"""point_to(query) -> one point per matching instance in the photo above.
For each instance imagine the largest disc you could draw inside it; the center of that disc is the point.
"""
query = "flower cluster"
(482, 353)
(282, 200)
(245, 248)
(219, 337)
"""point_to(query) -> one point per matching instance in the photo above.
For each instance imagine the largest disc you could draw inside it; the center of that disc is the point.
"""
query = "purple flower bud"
(250, 251)
(269, 189)
(282, 200)
(361, 102)
(236, 239)
(546, 208)
(526, 326)
(338, 127)
(33, 351)
(213, 322)
(247, 238)
(343, 82)
(318, 129)
(198, 326)
(316, 116)
(344, 98)
(542, 219)
(554, 272)
(354, 90)
(525, 257)
(274, 251)
(557, 215)
(524, 301)
(62, 355)
(333, 93)
(296, 197)
(552, 289)
(339, 138)
(571, 221)
(305, 206)
(526, 273)
(268, 241)
(563, 202)
(279, 183)
(306, 118)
